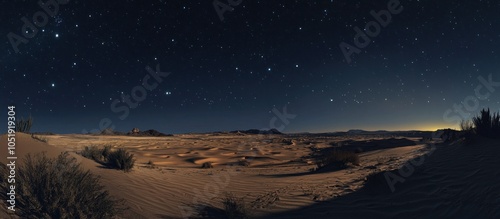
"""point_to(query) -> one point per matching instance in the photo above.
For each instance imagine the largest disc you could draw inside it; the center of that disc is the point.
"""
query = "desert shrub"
(60, 188)
(39, 138)
(92, 152)
(207, 165)
(337, 159)
(234, 207)
(120, 159)
(487, 124)
(24, 125)
(106, 151)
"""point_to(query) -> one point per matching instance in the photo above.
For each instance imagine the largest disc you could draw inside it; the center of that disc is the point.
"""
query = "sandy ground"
(278, 182)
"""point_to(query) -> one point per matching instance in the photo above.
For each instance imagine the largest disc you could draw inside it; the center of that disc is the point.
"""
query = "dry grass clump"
(39, 138)
(59, 188)
(117, 159)
(120, 159)
(92, 152)
(486, 124)
(24, 125)
(234, 208)
(337, 159)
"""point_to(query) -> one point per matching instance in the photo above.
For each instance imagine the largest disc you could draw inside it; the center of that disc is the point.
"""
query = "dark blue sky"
(415, 73)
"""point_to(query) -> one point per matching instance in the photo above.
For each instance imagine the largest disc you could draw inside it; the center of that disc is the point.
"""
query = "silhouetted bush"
(486, 124)
(234, 207)
(59, 188)
(337, 159)
(24, 125)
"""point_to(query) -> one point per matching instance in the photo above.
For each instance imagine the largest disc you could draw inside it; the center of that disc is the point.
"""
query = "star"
(57, 35)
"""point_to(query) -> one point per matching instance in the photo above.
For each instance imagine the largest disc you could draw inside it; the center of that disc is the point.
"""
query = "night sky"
(264, 55)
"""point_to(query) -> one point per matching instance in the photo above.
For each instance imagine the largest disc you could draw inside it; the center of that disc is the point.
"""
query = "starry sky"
(417, 72)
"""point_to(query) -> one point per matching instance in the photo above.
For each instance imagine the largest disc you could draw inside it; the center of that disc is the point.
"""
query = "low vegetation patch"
(59, 188)
(39, 138)
(337, 159)
(207, 165)
(92, 152)
(24, 125)
(486, 124)
(120, 159)
(117, 159)
(234, 207)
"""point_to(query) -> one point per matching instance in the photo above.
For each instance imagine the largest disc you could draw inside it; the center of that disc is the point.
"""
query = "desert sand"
(452, 181)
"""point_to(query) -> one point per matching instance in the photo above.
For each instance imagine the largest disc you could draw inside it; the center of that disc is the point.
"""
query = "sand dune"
(278, 181)
(455, 181)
